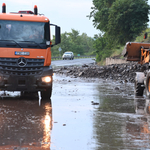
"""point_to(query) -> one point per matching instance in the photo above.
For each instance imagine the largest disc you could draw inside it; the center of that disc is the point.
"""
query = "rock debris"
(117, 72)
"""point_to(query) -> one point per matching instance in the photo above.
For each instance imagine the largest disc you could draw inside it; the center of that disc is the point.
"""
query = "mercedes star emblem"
(22, 62)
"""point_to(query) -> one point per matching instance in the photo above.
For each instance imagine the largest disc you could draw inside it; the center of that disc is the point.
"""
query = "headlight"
(46, 79)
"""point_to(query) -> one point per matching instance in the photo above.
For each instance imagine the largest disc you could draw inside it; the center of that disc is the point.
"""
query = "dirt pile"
(117, 72)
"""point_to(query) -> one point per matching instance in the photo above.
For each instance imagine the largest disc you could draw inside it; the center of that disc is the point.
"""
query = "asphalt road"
(83, 114)
(77, 62)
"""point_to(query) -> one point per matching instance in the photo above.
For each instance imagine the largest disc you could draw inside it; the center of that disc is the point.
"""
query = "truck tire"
(45, 95)
(139, 89)
(147, 84)
(139, 84)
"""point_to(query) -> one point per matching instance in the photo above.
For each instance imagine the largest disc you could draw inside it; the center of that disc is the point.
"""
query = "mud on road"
(122, 72)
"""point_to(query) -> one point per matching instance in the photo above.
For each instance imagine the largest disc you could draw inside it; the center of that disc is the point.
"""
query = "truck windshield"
(23, 31)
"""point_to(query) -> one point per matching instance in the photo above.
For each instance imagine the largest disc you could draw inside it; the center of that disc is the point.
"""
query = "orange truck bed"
(137, 52)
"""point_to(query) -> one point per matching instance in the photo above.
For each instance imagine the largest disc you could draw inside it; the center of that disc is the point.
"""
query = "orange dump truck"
(139, 52)
(25, 52)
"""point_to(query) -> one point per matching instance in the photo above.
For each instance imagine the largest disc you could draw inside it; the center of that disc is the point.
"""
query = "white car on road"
(68, 55)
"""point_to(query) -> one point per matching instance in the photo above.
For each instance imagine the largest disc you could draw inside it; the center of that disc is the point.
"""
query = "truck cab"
(25, 52)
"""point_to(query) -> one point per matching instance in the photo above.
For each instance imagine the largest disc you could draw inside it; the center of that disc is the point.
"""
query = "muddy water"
(24, 124)
(84, 114)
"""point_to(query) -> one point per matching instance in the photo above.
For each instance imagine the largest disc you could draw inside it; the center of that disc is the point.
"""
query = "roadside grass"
(140, 38)
(117, 51)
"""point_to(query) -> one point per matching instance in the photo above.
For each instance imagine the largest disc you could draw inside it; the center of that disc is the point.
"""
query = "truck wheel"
(139, 84)
(148, 85)
(46, 94)
(139, 89)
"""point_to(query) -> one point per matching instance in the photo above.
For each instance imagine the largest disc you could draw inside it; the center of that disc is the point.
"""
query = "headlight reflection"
(47, 126)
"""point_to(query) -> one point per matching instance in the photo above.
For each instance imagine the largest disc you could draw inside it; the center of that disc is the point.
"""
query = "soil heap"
(118, 72)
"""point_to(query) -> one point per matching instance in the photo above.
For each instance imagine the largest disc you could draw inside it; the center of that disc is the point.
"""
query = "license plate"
(22, 53)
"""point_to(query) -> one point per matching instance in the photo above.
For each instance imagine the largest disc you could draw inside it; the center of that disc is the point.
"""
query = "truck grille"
(10, 66)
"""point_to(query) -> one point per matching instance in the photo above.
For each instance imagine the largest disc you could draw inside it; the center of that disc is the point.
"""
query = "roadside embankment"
(110, 61)
(118, 72)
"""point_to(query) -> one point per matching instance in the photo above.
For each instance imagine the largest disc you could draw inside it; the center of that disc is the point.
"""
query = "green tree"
(127, 19)
(66, 44)
(72, 41)
(100, 13)
(87, 43)
(121, 20)
(75, 38)
(103, 49)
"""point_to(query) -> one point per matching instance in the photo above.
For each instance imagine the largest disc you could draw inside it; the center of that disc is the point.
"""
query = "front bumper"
(66, 57)
(28, 83)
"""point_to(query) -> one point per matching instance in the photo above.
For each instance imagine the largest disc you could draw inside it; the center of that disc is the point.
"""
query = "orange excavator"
(25, 52)
(139, 52)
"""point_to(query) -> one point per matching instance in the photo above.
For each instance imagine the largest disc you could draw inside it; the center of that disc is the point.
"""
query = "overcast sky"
(68, 14)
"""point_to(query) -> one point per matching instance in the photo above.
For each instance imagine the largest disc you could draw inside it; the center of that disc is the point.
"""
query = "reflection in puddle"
(24, 124)
(120, 121)
(47, 126)
(143, 107)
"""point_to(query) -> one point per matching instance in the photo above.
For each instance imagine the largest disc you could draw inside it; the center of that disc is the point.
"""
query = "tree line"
(73, 41)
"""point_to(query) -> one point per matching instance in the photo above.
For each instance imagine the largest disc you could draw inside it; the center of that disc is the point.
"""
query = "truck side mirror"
(57, 34)
(145, 35)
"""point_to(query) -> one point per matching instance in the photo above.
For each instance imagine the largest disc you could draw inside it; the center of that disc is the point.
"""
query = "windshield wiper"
(31, 42)
(11, 44)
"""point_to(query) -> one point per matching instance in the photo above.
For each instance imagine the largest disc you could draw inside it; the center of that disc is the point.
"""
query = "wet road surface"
(83, 114)
(77, 62)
